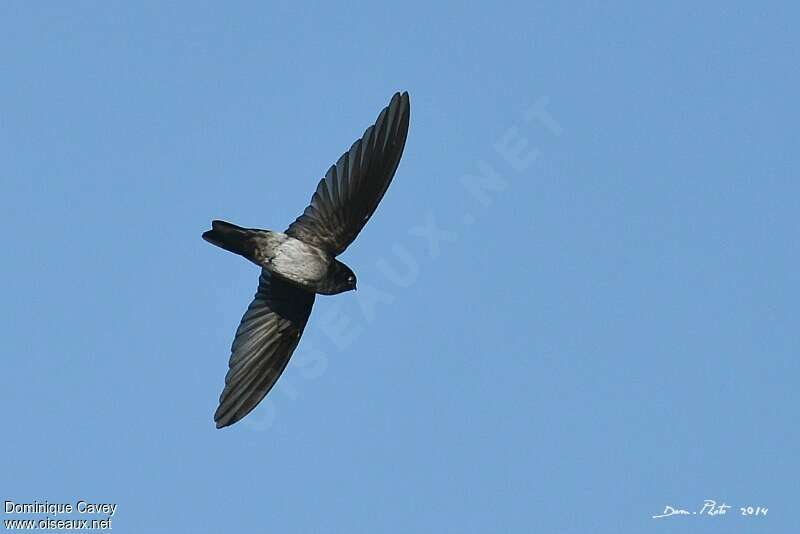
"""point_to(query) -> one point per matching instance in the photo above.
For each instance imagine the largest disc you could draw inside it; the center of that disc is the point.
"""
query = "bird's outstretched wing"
(351, 190)
(264, 342)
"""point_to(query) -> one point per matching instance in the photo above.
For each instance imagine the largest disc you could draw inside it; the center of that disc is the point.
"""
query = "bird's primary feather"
(349, 193)
(264, 342)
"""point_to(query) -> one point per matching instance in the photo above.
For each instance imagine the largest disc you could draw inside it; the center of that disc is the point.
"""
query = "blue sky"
(606, 326)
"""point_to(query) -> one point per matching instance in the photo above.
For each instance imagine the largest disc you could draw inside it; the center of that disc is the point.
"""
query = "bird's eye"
(351, 279)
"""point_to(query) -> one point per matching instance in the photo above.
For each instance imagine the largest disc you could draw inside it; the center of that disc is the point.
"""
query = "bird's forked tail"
(232, 238)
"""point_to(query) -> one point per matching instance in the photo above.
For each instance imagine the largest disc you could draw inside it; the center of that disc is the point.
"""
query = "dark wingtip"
(221, 421)
(401, 96)
(404, 102)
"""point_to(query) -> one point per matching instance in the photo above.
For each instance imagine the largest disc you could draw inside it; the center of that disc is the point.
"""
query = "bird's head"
(340, 278)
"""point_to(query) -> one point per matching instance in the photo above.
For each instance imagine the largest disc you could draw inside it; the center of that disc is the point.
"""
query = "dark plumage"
(301, 262)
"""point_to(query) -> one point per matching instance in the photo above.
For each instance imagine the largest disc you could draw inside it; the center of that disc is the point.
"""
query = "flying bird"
(301, 261)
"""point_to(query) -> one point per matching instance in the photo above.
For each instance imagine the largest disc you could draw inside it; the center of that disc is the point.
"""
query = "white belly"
(299, 262)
